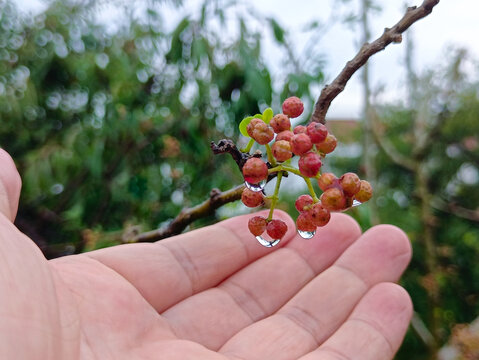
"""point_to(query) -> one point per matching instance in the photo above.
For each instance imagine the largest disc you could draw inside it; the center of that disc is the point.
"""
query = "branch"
(392, 35)
(227, 146)
(454, 209)
(187, 216)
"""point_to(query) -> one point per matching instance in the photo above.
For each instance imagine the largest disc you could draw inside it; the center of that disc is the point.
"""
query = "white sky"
(453, 22)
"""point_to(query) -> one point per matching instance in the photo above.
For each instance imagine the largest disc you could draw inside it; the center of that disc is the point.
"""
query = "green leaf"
(278, 31)
(243, 124)
(267, 115)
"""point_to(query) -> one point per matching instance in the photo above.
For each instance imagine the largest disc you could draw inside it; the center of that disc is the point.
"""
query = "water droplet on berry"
(256, 187)
(267, 243)
(356, 203)
(306, 234)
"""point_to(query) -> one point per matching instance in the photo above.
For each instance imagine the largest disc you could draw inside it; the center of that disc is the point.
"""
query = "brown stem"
(188, 215)
(390, 35)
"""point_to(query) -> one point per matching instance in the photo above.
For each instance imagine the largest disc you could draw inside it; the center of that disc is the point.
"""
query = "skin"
(212, 293)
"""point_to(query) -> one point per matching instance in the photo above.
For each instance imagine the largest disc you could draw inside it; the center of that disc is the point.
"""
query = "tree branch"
(188, 215)
(454, 209)
(392, 35)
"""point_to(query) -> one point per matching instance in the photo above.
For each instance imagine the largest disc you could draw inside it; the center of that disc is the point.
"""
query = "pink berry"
(252, 198)
(285, 135)
(350, 183)
(304, 222)
(293, 106)
(276, 229)
(301, 144)
(282, 150)
(327, 180)
(280, 122)
(300, 129)
(317, 132)
(309, 164)
(333, 199)
(255, 170)
(303, 203)
(261, 132)
(252, 125)
(257, 225)
(320, 215)
(328, 145)
(365, 192)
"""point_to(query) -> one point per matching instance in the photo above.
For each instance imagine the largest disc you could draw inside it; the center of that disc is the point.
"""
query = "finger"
(316, 312)
(375, 329)
(171, 270)
(260, 289)
(10, 185)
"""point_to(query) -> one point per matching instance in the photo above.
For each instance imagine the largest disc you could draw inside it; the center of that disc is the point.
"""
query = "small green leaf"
(243, 124)
(267, 115)
(258, 116)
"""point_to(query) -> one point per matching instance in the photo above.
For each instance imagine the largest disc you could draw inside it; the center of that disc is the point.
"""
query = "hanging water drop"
(256, 187)
(267, 243)
(356, 203)
(306, 234)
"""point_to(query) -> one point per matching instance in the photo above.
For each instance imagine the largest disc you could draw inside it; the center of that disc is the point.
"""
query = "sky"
(452, 23)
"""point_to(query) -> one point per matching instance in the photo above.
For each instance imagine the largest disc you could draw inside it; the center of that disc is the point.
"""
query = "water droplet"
(267, 243)
(356, 203)
(256, 187)
(306, 234)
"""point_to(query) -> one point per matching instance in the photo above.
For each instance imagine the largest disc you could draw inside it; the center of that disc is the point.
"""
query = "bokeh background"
(108, 108)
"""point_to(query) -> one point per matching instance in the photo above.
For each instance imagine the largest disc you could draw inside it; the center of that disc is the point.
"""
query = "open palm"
(212, 294)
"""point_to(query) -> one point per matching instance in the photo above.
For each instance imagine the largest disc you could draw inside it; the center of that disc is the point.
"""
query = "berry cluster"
(311, 144)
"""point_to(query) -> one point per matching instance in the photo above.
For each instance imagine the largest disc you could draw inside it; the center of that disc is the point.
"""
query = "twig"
(227, 146)
(456, 210)
(392, 35)
(187, 216)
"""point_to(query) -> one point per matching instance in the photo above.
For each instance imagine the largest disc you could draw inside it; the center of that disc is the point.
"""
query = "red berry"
(257, 225)
(320, 215)
(280, 122)
(303, 203)
(350, 183)
(317, 132)
(293, 106)
(252, 198)
(328, 145)
(276, 229)
(365, 192)
(285, 135)
(304, 222)
(255, 170)
(301, 144)
(327, 180)
(282, 150)
(309, 164)
(261, 132)
(300, 129)
(333, 199)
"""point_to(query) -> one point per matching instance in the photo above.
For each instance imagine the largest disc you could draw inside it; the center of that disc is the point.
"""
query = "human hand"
(213, 293)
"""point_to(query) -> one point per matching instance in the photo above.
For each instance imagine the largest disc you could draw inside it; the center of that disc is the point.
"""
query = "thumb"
(10, 185)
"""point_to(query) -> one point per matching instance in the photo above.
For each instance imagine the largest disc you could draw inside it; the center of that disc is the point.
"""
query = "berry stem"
(275, 198)
(248, 147)
(269, 153)
(311, 189)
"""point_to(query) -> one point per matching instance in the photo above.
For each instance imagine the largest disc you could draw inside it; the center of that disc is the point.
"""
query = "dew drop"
(306, 234)
(356, 203)
(256, 187)
(267, 243)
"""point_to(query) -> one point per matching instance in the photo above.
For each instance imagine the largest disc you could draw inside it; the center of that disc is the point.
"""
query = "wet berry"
(333, 199)
(300, 129)
(303, 203)
(327, 180)
(301, 144)
(276, 229)
(285, 135)
(282, 150)
(304, 222)
(328, 145)
(280, 122)
(252, 198)
(261, 132)
(257, 225)
(317, 132)
(350, 183)
(293, 106)
(320, 215)
(309, 164)
(255, 170)
(365, 192)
